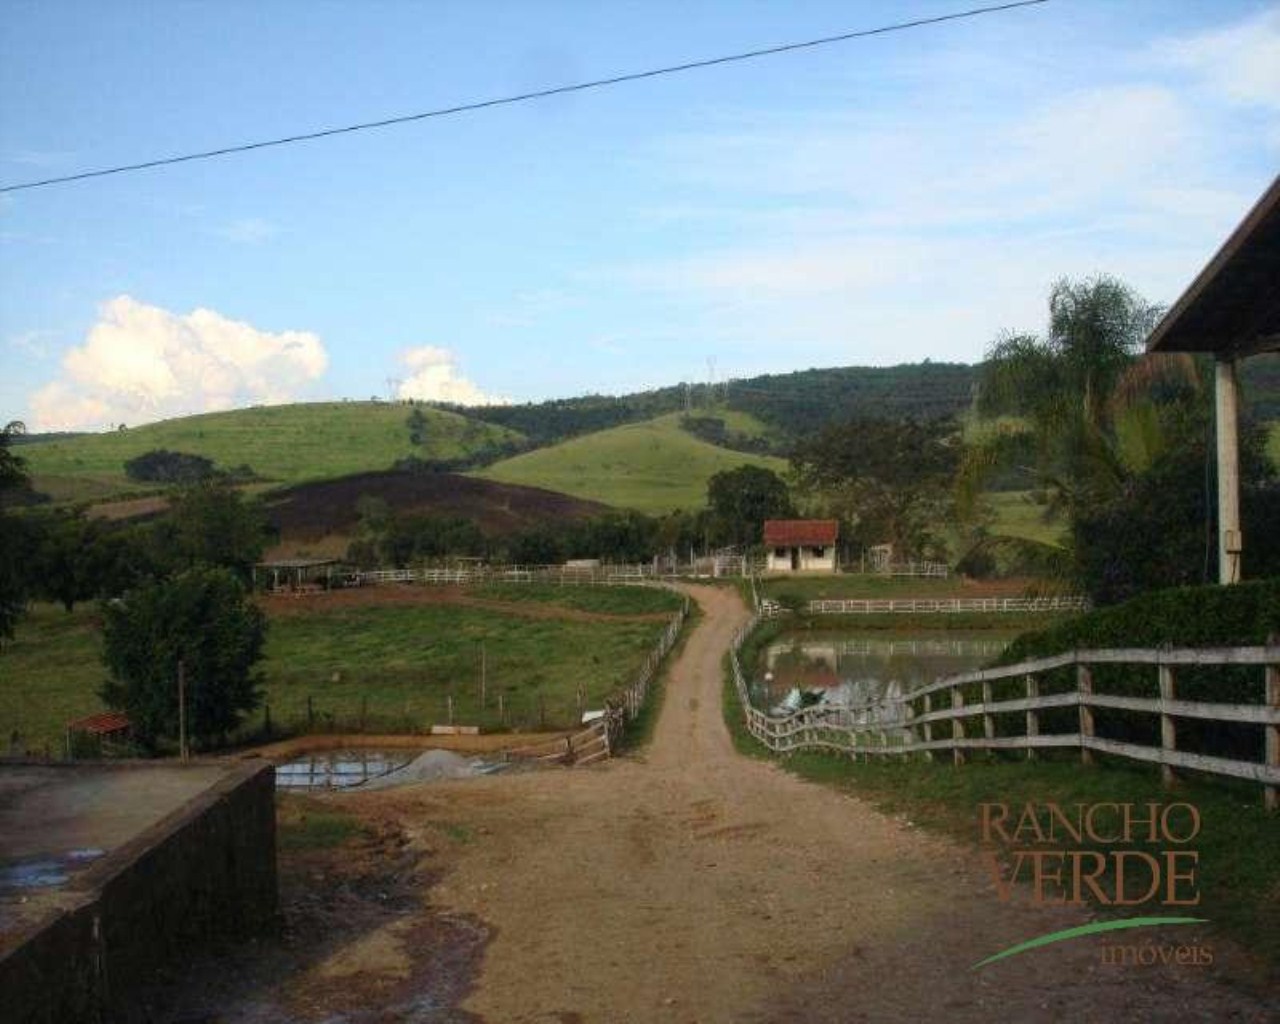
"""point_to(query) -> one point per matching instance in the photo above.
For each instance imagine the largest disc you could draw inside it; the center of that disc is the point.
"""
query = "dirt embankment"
(690, 884)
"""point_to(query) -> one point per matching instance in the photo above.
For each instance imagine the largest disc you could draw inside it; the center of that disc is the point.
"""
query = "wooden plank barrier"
(861, 728)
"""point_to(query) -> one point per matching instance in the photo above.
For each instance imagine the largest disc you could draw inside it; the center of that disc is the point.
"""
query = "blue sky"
(872, 202)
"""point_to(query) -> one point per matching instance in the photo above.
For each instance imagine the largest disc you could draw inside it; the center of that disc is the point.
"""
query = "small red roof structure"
(105, 723)
(794, 533)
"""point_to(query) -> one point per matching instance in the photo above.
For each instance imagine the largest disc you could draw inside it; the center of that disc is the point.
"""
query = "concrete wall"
(780, 559)
(206, 872)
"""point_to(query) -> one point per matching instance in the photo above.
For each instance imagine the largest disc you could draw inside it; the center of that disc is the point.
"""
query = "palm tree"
(1080, 394)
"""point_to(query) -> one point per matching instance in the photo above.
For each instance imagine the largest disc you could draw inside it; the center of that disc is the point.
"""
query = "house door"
(795, 559)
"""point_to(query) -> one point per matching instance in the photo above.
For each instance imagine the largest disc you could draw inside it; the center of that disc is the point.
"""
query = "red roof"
(790, 533)
(101, 724)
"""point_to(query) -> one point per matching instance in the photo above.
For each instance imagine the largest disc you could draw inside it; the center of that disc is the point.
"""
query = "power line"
(539, 94)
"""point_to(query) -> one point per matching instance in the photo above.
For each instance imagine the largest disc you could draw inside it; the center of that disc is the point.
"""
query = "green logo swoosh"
(1086, 929)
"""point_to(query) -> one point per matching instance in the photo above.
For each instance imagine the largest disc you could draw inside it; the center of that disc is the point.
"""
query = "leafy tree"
(888, 480)
(14, 545)
(1075, 393)
(742, 499)
(417, 424)
(202, 618)
(212, 524)
(1159, 529)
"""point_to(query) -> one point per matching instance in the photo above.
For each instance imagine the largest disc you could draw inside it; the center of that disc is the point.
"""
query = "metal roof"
(102, 724)
(1233, 305)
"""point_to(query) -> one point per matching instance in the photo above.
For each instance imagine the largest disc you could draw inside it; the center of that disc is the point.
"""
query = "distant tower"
(393, 388)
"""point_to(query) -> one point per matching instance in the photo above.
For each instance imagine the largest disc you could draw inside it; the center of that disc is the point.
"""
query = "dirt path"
(685, 884)
(691, 884)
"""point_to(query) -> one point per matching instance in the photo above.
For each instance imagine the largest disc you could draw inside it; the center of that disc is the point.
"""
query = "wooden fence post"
(957, 727)
(988, 719)
(1084, 686)
(1033, 716)
(1168, 732)
(1271, 794)
(928, 726)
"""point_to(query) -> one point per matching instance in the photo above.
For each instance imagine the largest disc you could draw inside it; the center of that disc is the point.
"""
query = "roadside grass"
(602, 600)
(653, 466)
(854, 585)
(1238, 870)
(306, 824)
(1273, 444)
(288, 443)
(388, 669)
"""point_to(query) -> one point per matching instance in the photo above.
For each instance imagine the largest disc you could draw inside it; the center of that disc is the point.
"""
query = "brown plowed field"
(315, 510)
(689, 884)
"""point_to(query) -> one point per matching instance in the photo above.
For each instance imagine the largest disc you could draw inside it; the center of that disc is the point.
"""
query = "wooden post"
(182, 709)
(484, 682)
(449, 700)
(988, 720)
(1168, 733)
(1084, 686)
(502, 709)
(311, 714)
(1227, 393)
(957, 727)
(1271, 794)
(1033, 716)
(928, 726)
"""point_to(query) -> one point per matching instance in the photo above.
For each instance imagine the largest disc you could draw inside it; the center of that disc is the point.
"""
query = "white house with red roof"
(800, 545)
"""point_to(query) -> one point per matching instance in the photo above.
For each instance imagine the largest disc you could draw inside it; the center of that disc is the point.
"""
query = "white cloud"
(141, 363)
(1240, 62)
(434, 377)
(248, 231)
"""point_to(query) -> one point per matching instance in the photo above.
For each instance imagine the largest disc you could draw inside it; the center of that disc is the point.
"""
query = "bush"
(162, 466)
(1242, 615)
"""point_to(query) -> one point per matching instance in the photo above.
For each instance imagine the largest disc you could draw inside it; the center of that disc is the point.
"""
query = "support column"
(1230, 542)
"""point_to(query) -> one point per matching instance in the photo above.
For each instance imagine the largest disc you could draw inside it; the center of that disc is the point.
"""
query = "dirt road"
(691, 884)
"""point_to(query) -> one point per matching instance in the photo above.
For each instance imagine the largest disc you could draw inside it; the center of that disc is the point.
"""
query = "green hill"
(653, 466)
(289, 443)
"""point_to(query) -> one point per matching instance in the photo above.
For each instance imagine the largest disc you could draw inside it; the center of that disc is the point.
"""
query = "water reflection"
(340, 769)
(847, 670)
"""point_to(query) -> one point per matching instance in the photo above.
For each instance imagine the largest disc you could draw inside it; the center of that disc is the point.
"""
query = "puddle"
(340, 769)
(44, 871)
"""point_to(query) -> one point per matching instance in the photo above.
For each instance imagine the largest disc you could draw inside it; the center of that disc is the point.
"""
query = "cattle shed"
(1231, 311)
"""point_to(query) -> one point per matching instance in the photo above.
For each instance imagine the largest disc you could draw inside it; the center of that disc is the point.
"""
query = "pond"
(340, 769)
(857, 667)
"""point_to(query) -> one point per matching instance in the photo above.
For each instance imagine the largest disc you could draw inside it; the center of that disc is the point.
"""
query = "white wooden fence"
(893, 727)
(946, 605)
(598, 739)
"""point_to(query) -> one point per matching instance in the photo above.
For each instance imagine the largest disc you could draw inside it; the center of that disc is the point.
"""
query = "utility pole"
(182, 710)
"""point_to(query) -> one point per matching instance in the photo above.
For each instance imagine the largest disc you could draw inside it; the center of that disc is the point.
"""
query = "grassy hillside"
(283, 442)
(652, 466)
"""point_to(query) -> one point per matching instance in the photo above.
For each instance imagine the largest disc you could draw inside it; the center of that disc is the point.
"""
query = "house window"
(818, 552)
(779, 552)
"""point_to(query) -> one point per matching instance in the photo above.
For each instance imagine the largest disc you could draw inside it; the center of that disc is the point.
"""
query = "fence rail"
(893, 727)
(945, 605)
(598, 739)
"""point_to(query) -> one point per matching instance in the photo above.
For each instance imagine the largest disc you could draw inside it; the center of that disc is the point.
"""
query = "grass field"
(653, 466)
(381, 668)
(1239, 874)
(1273, 444)
(1016, 516)
(287, 443)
